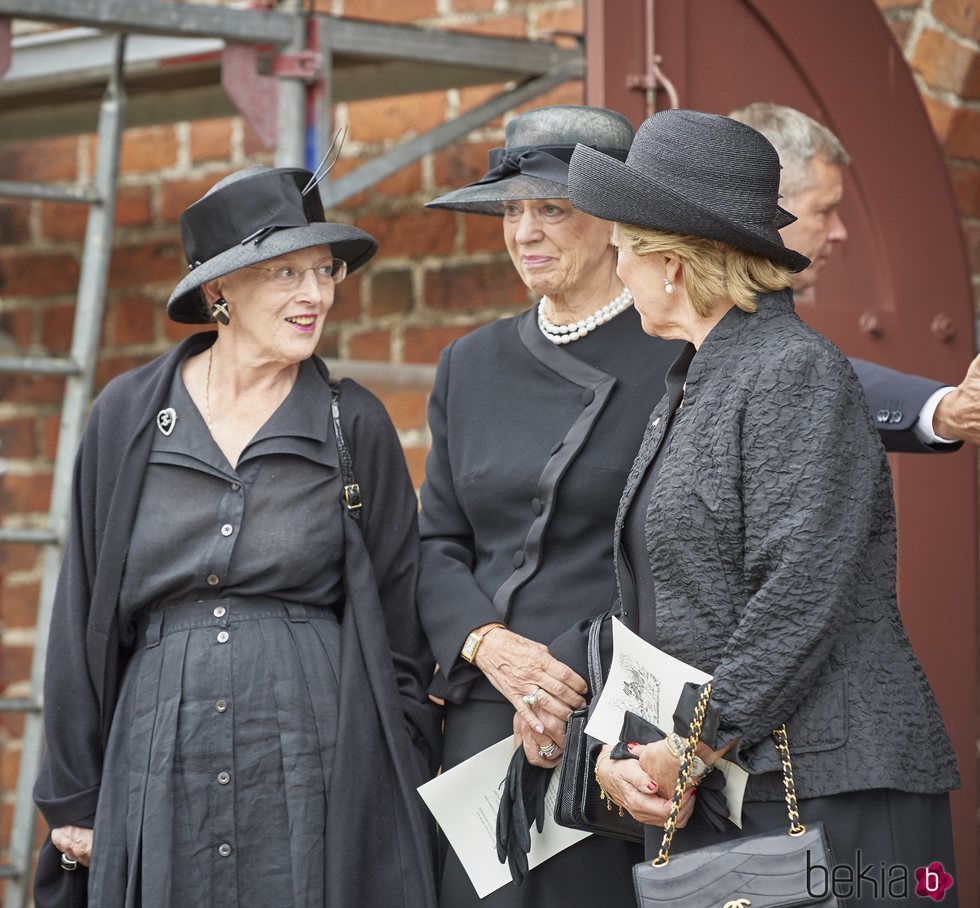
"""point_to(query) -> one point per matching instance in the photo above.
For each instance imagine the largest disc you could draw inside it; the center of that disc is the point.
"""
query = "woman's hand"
(660, 764)
(519, 667)
(74, 842)
(627, 785)
(550, 742)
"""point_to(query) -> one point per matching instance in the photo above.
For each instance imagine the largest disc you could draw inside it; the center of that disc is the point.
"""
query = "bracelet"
(602, 791)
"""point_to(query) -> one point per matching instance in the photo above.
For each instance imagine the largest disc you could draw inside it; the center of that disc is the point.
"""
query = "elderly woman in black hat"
(535, 421)
(235, 693)
(757, 525)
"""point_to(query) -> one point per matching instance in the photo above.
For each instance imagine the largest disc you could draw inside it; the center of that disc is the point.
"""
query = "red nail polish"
(631, 745)
(651, 786)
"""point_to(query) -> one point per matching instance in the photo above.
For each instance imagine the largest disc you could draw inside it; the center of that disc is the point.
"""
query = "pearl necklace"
(565, 334)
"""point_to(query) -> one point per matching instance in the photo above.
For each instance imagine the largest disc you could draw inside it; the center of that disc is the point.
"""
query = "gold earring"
(219, 311)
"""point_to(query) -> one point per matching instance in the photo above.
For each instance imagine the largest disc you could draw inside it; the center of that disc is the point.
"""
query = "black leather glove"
(522, 805)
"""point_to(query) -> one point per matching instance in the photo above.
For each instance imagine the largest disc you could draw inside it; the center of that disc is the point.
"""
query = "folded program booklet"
(464, 801)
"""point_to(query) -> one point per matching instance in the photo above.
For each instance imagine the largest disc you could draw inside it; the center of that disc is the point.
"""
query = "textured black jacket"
(387, 727)
(771, 538)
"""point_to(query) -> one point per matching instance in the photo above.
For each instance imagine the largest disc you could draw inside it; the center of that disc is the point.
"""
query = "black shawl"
(381, 837)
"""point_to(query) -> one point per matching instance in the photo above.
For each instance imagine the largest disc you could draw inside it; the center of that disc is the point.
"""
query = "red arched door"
(903, 269)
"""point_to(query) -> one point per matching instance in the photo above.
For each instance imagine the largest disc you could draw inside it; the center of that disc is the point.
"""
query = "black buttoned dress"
(218, 764)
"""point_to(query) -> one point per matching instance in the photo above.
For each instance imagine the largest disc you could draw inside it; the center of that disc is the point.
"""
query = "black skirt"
(219, 760)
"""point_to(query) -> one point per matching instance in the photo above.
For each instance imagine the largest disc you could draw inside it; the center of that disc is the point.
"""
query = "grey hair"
(796, 137)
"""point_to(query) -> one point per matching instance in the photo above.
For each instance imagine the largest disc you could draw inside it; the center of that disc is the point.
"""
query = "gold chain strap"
(683, 775)
(796, 828)
(789, 784)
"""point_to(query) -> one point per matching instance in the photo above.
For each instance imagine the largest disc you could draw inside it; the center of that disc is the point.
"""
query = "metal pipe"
(385, 165)
(28, 536)
(157, 18)
(16, 190)
(41, 365)
(291, 111)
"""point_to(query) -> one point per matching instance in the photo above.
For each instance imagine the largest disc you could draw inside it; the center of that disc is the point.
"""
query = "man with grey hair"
(921, 414)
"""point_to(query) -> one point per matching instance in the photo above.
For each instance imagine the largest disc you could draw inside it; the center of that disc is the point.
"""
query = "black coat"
(531, 446)
(388, 730)
(770, 533)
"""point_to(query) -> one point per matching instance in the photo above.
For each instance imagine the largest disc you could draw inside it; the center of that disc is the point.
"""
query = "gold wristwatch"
(473, 641)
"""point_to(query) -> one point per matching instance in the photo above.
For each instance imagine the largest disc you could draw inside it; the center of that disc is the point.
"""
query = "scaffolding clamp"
(305, 65)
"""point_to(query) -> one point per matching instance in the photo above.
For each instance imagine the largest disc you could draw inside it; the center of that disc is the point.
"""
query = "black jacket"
(388, 730)
(771, 537)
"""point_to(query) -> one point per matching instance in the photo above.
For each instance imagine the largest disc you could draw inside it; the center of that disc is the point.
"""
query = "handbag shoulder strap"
(796, 828)
(595, 657)
(351, 495)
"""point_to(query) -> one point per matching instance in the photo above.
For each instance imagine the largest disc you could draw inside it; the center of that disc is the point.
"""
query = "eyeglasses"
(331, 271)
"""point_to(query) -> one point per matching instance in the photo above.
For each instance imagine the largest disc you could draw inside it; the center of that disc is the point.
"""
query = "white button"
(220, 705)
(213, 580)
(235, 486)
(220, 611)
(224, 849)
(222, 636)
(227, 529)
(224, 778)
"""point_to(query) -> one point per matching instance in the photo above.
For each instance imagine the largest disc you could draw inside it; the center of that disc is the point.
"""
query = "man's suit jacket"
(895, 399)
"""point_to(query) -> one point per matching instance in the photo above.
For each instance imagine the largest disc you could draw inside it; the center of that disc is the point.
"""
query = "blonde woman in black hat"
(234, 698)
(535, 421)
(758, 520)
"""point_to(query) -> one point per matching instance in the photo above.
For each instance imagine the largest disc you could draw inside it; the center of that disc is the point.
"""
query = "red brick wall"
(941, 41)
(438, 274)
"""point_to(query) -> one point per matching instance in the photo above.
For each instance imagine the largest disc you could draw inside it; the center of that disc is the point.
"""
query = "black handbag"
(765, 871)
(580, 804)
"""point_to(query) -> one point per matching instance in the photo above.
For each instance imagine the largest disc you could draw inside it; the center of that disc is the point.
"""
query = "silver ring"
(548, 752)
(67, 863)
(531, 699)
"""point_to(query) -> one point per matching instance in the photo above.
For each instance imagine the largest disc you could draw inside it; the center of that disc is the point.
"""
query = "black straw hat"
(693, 173)
(534, 162)
(250, 216)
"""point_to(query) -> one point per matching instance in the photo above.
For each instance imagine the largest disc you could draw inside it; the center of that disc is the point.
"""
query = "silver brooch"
(166, 420)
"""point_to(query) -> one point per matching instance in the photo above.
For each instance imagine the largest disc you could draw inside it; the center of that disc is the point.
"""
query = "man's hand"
(958, 415)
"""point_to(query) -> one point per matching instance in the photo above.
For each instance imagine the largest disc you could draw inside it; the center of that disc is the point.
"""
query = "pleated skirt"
(214, 789)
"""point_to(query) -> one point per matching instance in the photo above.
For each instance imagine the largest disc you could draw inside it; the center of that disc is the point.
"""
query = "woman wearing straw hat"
(234, 697)
(758, 519)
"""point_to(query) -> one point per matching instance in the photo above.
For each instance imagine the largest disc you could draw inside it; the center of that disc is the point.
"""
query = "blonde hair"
(712, 269)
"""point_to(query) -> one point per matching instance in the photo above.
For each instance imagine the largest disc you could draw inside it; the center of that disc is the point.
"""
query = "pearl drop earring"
(668, 286)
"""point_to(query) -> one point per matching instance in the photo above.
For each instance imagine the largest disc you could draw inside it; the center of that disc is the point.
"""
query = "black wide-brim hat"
(533, 164)
(250, 216)
(691, 173)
